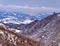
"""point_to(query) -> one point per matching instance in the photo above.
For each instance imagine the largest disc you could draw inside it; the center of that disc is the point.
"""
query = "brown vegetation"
(10, 38)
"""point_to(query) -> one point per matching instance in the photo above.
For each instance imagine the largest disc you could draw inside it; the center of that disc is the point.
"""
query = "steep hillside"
(46, 30)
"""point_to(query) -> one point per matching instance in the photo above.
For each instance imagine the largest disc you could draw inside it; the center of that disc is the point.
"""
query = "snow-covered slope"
(19, 17)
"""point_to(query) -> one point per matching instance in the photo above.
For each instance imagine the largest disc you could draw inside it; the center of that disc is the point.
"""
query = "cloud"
(28, 9)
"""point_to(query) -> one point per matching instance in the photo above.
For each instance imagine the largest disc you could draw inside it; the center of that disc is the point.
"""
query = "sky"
(31, 6)
(47, 3)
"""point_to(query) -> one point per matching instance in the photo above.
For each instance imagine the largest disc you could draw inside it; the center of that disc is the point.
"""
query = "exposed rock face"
(46, 30)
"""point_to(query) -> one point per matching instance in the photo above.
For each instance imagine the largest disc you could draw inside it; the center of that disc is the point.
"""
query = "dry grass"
(10, 38)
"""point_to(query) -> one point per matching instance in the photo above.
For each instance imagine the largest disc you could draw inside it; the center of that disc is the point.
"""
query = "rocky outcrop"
(46, 30)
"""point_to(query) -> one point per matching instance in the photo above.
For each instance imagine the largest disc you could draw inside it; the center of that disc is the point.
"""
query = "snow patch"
(18, 31)
(27, 21)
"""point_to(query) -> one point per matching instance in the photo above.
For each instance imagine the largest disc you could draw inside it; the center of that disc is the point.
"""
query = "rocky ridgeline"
(46, 30)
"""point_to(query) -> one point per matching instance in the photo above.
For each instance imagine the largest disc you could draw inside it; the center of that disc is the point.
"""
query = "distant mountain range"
(10, 17)
(21, 20)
